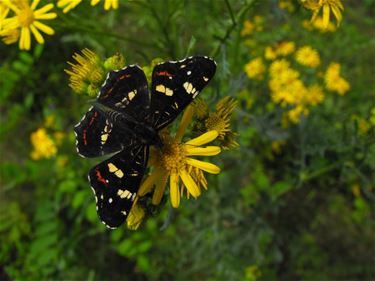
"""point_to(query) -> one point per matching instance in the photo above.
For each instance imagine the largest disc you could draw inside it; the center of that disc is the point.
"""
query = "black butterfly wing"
(96, 135)
(175, 85)
(126, 91)
(115, 183)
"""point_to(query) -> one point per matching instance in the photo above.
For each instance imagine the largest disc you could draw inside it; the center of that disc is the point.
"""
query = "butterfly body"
(126, 119)
(140, 130)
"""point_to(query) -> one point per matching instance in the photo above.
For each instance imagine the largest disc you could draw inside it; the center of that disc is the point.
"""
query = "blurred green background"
(295, 201)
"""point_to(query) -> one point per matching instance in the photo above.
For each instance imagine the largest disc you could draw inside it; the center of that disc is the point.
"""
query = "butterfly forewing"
(96, 135)
(115, 183)
(175, 85)
(126, 91)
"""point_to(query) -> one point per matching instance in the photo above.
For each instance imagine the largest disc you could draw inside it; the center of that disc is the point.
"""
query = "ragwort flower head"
(308, 56)
(255, 68)
(87, 74)
(43, 145)
(174, 161)
(328, 6)
(27, 20)
(220, 121)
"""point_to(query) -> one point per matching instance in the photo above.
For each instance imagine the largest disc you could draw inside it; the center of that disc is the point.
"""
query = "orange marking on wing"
(107, 93)
(84, 137)
(93, 118)
(164, 73)
(124, 76)
(100, 177)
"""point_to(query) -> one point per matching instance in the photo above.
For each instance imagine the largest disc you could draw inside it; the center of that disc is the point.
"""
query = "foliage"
(295, 200)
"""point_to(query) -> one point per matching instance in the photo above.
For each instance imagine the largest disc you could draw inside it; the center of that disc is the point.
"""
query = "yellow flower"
(334, 82)
(219, 121)
(87, 74)
(278, 66)
(286, 48)
(44, 146)
(108, 4)
(314, 95)
(255, 68)
(327, 6)
(68, 5)
(294, 115)
(174, 162)
(270, 53)
(308, 56)
(248, 28)
(28, 20)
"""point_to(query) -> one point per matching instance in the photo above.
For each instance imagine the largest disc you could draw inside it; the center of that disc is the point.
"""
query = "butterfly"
(125, 121)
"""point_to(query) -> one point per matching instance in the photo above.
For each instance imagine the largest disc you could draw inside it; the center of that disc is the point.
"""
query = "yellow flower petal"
(337, 14)
(174, 190)
(45, 28)
(205, 166)
(38, 36)
(44, 9)
(94, 2)
(135, 217)
(48, 16)
(202, 151)
(25, 41)
(35, 4)
(190, 184)
(203, 139)
(326, 12)
(159, 189)
(147, 185)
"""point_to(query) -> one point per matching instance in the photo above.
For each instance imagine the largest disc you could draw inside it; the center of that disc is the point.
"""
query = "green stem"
(230, 28)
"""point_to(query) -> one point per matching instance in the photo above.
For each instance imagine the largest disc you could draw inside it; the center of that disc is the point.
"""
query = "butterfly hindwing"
(115, 183)
(175, 85)
(96, 135)
(126, 91)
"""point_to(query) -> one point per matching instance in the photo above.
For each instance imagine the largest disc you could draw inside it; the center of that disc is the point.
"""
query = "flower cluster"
(20, 20)
(328, 6)
(289, 81)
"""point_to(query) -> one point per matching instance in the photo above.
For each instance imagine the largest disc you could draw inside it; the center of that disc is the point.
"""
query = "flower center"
(173, 157)
(26, 17)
